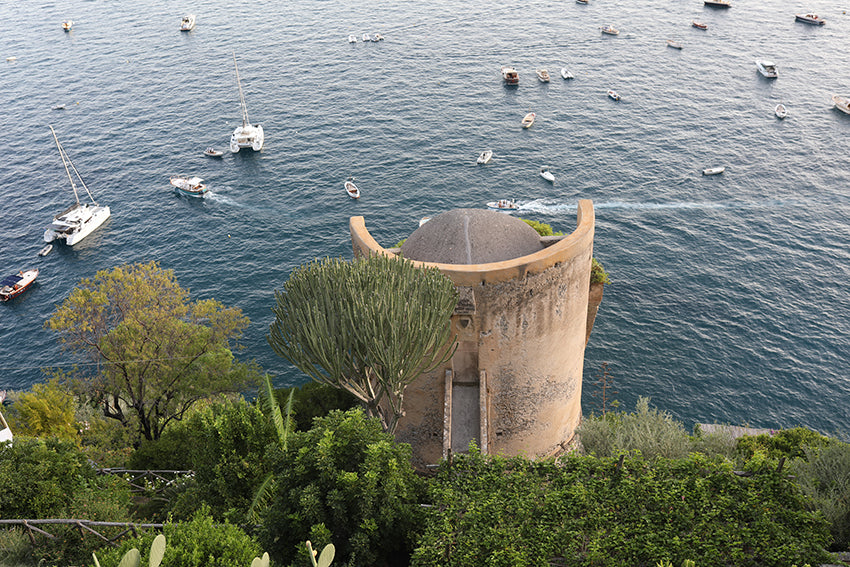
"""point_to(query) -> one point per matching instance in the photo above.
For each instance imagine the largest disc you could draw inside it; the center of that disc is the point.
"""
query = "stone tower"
(514, 384)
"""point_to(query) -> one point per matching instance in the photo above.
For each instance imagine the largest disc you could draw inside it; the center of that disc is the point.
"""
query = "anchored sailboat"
(248, 135)
(80, 219)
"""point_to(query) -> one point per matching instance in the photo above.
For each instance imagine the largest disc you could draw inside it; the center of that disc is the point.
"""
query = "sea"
(730, 294)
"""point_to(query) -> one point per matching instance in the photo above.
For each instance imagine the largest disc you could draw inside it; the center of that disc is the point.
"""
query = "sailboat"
(248, 135)
(80, 219)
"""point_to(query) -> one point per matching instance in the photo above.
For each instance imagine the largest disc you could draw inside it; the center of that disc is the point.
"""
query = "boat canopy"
(11, 281)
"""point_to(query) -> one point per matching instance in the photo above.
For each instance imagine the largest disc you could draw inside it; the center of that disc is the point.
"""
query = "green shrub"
(583, 511)
(824, 476)
(312, 400)
(347, 480)
(598, 273)
(789, 443)
(45, 411)
(542, 229)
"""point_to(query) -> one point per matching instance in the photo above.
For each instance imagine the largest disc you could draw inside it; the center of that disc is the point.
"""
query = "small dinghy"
(547, 175)
(713, 170)
(58, 107)
(503, 205)
(613, 95)
(565, 73)
(528, 120)
(189, 186)
(352, 39)
(674, 44)
(352, 189)
(485, 157)
(543, 75)
(610, 30)
(212, 152)
(780, 111)
(46, 250)
(699, 25)
(68, 25)
(14, 285)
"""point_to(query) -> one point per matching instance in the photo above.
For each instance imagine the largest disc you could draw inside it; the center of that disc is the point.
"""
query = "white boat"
(581, 1)
(68, 25)
(813, 19)
(485, 157)
(80, 219)
(842, 103)
(14, 285)
(510, 75)
(423, 220)
(699, 25)
(713, 170)
(565, 73)
(528, 119)
(187, 23)
(718, 3)
(674, 44)
(503, 205)
(767, 68)
(377, 37)
(613, 95)
(46, 250)
(352, 189)
(610, 30)
(58, 107)
(190, 186)
(352, 39)
(366, 37)
(212, 152)
(248, 135)
(547, 175)
(543, 75)
(780, 111)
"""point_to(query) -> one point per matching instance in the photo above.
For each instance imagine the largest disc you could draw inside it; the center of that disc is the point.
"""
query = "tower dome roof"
(471, 236)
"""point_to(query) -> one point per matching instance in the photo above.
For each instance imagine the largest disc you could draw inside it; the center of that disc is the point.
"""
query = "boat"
(528, 119)
(212, 152)
(5, 431)
(674, 44)
(718, 3)
(352, 189)
(16, 284)
(813, 19)
(80, 219)
(190, 186)
(699, 25)
(565, 73)
(11, 59)
(68, 25)
(581, 1)
(423, 220)
(780, 111)
(366, 37)
(248, 135)
(713, 170)
(547, 175)
(610, 30)
(543, 75)
(767, 68)
(485, 157)
(46, 250)
(352, 39)
(377, 37)
(58, 107)
(842, 103)
(503, 205)
(510, 75)
(613, 95)
(187, 23)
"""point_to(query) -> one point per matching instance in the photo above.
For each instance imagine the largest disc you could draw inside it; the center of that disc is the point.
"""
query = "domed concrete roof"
(471, 236)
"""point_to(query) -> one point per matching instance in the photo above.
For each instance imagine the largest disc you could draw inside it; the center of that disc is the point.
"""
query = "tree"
(157, 353)
(369, 326)
(46, 411)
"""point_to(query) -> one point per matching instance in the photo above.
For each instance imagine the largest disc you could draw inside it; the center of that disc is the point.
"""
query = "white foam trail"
(222, 199)
(540, 206)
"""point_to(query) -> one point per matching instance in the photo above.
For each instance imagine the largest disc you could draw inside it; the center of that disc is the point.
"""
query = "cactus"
(261, 562)
(133, 558)
(324, 559)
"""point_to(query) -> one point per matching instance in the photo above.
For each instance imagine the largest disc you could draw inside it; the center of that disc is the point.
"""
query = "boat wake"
(544, 206)
(223, 199)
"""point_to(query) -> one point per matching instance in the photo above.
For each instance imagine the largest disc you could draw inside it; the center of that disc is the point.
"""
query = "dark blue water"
(730, 296)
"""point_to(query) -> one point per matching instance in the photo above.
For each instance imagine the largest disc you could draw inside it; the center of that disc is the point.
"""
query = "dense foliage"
(824, 476)
(347, 482)
(48, 410)
(312, 400)
(589, 511)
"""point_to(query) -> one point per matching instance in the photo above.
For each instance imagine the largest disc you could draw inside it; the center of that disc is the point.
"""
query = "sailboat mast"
(65, 163)
(245, 121)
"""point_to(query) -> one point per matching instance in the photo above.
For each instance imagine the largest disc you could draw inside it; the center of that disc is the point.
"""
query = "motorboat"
(718, 3)
(58, 107)
(377, 37)
(212, 152)
(46, 250)
(565, 73)
(187, 23)
(68, 25)
(366, 37)
(699, 25)
(16, 284)
(767, 68)
(842, 103)
(581, 1)
(547, 175)
(503, 205)
(674, 44)
(485, 157)
(713, 170)
(610, 30)
(352, 189)
(510, 75)
(190, 186)
(80, 219)
(528, 119)
(780, 111)
(423, 220)
(352, 39)
(813, 19)
(248, 135)
(543, 75)
(613, 95)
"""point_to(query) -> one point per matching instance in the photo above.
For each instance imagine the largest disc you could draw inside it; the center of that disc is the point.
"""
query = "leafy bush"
(45, 411)
(542, 229)
(824, 476)
(598, 273)
(197, 543)
(347, 480)
(789, 443)
(582, 511)
(312, 400)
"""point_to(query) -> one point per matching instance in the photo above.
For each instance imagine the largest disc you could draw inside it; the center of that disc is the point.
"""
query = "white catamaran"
(248, 135)
(80, 219)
